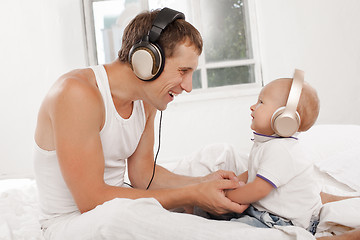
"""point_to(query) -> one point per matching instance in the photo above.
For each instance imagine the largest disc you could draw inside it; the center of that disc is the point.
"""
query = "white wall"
(321, 37)
(42, 39)
(187, 125)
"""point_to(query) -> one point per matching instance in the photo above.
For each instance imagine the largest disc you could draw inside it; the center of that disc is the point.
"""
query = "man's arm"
(77, 116)
(250, 192)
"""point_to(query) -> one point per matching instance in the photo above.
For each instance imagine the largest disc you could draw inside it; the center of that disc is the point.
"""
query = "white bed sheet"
(19, 212)
(19, 207)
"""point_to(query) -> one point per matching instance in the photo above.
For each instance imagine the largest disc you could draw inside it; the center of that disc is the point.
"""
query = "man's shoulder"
(74, 90)
(82, 78)
(78, 83)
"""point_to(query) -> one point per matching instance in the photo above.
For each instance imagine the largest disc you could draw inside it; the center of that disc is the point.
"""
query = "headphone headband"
(163, 18)
(295, 91)
(285, 121)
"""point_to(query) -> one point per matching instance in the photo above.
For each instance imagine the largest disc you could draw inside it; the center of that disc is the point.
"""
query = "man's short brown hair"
(176, 32)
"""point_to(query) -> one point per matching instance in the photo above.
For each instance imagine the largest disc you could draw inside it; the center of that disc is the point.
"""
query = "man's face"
(176, 76)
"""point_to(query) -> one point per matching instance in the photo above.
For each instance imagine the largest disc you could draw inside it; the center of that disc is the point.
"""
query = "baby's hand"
(241, 183)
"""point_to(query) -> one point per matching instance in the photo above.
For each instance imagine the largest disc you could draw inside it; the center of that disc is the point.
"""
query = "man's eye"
(183, 71)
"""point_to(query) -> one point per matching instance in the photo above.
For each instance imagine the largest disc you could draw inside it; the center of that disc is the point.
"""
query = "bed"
(334, 148)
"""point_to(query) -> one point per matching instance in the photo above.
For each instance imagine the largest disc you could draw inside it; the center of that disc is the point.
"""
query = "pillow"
(339, 217)
(335, 150)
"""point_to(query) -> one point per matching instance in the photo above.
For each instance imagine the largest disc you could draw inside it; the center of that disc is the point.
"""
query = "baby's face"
(262, 111)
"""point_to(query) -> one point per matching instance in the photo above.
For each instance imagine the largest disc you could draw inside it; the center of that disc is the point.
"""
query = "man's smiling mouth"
(172, 94)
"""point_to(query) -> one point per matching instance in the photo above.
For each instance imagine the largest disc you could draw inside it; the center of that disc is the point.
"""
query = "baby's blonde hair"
(309, 103)
(308, 108)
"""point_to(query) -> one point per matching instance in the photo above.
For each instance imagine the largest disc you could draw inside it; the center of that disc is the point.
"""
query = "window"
(230, 59)
(105, 21)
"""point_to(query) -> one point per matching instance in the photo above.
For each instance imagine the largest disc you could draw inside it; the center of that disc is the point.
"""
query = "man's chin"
(161, 108)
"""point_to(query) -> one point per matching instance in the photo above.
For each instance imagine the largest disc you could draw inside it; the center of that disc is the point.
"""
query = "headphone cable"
(157, 153)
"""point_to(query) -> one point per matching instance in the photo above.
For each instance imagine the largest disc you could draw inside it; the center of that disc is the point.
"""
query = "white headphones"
(286, 120)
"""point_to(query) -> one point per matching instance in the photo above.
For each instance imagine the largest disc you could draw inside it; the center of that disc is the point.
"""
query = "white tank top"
(119, 138)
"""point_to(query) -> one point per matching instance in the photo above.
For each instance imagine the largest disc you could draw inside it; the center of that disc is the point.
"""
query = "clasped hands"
(212, 193)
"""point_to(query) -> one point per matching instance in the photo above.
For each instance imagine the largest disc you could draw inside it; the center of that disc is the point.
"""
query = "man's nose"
(186, 83)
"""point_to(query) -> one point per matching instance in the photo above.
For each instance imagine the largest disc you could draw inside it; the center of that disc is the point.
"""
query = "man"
(93, 120)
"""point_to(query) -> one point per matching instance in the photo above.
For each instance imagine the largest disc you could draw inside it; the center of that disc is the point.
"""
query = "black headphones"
(146, 57)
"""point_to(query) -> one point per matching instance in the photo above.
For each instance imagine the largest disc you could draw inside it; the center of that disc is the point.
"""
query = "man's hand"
(212, 197)
(220, 174)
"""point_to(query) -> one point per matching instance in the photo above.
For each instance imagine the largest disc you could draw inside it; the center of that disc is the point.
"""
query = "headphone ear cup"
(146, 60)
(284, 124)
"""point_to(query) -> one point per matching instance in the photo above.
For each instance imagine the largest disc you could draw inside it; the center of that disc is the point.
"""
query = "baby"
(279, 181)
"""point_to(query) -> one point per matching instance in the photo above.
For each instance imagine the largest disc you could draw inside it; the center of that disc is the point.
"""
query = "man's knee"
(119, 218)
